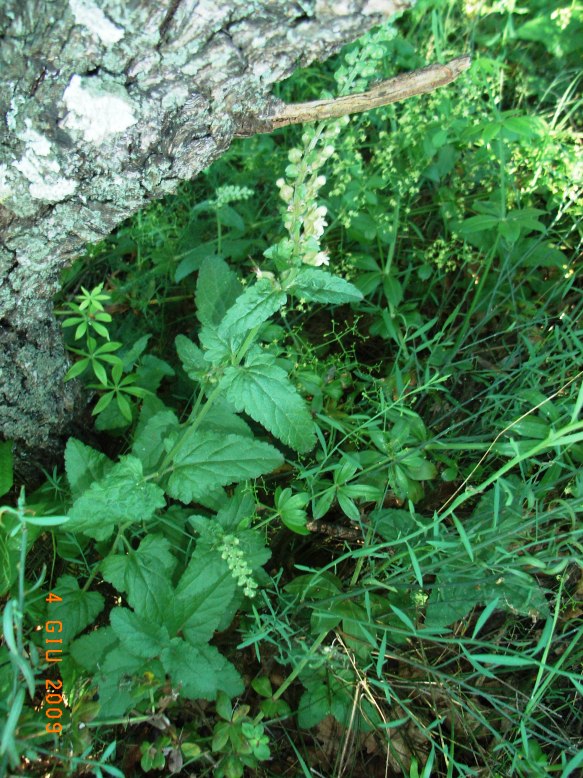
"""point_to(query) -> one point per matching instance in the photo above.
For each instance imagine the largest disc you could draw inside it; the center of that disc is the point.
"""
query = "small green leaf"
(144, 576)
(478, 224)
(76, 369)
(191, 356)
(152, 432)
(140, 637)
(321, 504)
(6, 465)
(124, 406)
(84, 465)
(291, 508)
(216, 348)
(347, 506)
(262, 686)
(265, 393)
(206, 460)
(200, 672)
(224, 707)
(322, 287)
(103, 403)
(120, 497)
(217, 289)
(252, 308)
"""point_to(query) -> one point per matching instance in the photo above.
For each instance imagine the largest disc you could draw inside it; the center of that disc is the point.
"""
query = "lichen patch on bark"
(90, 16)
(97, 109)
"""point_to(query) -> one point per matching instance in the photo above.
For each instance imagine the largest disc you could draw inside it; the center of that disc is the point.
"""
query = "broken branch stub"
(392, 90)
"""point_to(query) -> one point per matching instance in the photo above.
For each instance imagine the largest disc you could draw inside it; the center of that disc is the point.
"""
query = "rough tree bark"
(107, 104)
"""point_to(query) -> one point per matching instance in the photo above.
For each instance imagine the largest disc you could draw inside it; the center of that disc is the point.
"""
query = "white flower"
(316, 260)
(315, 222)
(286, 193)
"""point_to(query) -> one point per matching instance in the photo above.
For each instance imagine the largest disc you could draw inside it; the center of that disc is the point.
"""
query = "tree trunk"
(108, 104)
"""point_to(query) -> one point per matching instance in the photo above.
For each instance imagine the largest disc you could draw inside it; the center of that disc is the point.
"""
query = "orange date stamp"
(53, 689)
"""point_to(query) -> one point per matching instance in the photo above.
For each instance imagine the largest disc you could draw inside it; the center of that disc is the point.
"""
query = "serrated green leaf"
(322, 287)
(140, 637)
(216, 348)
(203, 595)
(77, 610)
(192, 259)
(191, 356)
(452, 598)
(144, 575)
(315, 705)
(221, 418)
(217, 288)
(116, 682)
(122, 496)
(151, 434)
(519, 595)
(206, 460)
(200, 672)
(84, 465)
(253, 307)
(90, 650)
(265, 393)
(237, 511)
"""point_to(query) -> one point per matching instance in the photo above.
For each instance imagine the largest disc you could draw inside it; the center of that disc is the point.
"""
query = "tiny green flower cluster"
(235, 559)
(231, 194)
(362, 63)
(450, 254)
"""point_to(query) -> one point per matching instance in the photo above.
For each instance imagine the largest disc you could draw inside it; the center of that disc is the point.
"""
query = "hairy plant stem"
(197, 416)
(96, 568)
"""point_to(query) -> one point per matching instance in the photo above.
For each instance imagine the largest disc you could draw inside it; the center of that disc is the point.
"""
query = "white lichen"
(5, 189)
(11, 115)
(175, 97)
(97, 109)
(378, 7)
(41, 169)
(90, 16)
(53, 191)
